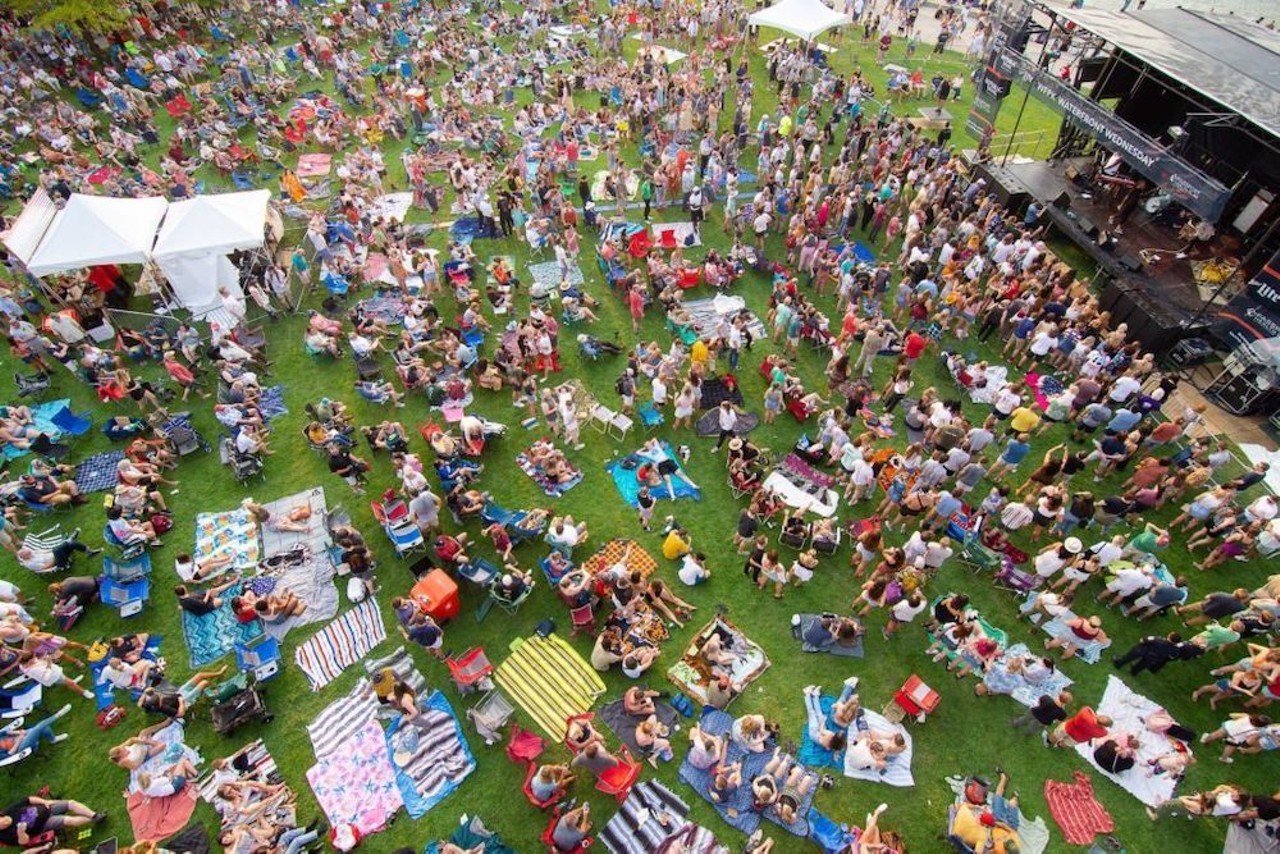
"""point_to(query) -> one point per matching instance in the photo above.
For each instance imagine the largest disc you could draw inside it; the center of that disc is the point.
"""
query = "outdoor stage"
(1159, 298)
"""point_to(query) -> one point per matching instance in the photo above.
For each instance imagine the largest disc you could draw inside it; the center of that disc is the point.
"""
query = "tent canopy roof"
(1223, 57)
(91, 230)
(214, 224)
(806, 19)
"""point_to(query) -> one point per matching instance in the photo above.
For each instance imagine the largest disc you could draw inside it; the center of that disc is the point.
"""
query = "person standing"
(726, 420)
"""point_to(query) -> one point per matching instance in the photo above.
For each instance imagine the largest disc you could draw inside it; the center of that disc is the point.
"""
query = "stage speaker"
(1063, 202)
(1088, 226)
(1132, 263)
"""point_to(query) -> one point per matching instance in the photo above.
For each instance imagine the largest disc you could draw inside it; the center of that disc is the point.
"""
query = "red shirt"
(1083, 726)
(914, 345)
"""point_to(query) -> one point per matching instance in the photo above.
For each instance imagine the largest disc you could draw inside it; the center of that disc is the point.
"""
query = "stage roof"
(1223, 57)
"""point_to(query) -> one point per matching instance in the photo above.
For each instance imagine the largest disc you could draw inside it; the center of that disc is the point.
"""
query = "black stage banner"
(1191, 188)
(1255, 312)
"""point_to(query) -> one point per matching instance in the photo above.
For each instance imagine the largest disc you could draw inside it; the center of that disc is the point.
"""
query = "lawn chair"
(651, 418)
(548, 836)
(260, 656)
(393, 516)
(914, 699)
(510, 606)
(183, 436)
(490, 715)
(19, 696)
(14, 758)
(619, 779)
(124, 550)
(126, 597)
(70, 423)
(583, 619)
(471, 671)
(479, 571)
(45, 541)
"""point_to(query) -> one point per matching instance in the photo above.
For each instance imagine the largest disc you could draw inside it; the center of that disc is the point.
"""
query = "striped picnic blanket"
(1076, 810)
(430, 754)
(636, 828)
(340, 644)
(341, 720)
(548, 679)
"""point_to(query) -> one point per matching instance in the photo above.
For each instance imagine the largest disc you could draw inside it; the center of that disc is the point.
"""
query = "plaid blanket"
(611, 552)
(272, 403)
(98, 473)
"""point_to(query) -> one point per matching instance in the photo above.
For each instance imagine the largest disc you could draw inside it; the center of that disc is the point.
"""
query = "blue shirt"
(1015, 452)
(1123, 421)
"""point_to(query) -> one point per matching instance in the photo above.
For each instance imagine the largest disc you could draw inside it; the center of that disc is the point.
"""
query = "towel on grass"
(653, 818)
(430, 753)
(1034, 833)
(340, 644)
(313, 165)
(1129, 712)
(555, 490)
(392, 207)
(401, 664)
(213, 635)
(1076, 810)
(624, 470)
(692, 674)
(98, 473)
(813, 754)
(1088, 651)
(624, 725)
(550, 680)
(807, 622)
(232, 534)
(548, 274)
(41, 415)
(897, 770)
(357, 785)
(271, 405)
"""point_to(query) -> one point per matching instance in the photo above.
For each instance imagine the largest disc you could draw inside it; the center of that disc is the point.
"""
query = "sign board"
(1254, 314)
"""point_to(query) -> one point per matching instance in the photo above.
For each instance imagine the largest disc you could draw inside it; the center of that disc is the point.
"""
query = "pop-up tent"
(93, 230)
(196, 238)
(804, 18)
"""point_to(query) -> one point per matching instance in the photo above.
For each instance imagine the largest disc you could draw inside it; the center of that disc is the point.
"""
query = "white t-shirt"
(691, 572)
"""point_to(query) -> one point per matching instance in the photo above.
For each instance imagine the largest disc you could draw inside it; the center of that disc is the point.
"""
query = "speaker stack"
(1008, 190)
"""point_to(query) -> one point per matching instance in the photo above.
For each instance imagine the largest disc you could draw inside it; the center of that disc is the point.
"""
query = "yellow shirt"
(969, 829)
(674, 546)
(1023, 419)
(699, 352)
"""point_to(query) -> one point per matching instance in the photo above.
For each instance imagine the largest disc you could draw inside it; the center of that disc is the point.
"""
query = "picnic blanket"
(1027, 693)
(401, 664)
(213, 635)
(623, 471)
(1263, 837)
(392, 206)
(653, 818)
(388, 308)
(555, 490)
(1088, 651)
(160, 818)
(693, 675)
(340, 644)
(548, 274)
(1076, 810)
(192, 840)
(271, 405)
(1129, 712)
(807, 622)
(737, 810)
(705, 316)
(611, 552)
(802, 495)
(897, 770)
(357, 784)
(251, 762)
(716, 389)
(708, 424)
(624, 725)
(549, 680)
(311, 578)
(41, 422)
(1034, 833)
(681, 232)
(430, 754)
(230, 534)
(98, 473)
(313, 165)
(339, 721)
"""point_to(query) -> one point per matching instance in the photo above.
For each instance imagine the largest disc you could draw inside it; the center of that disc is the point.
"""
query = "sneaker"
(851, 683)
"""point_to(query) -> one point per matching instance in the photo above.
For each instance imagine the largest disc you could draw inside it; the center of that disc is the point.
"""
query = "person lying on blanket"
(22, 823)
(844, 713)
(203, 602)
(171, 781)
(175, 703)
(1008, 673)
(716, 655)
(551, 462)
(134, 676)
(781, 787)
(993, 829)
(273, 608)
(659, 467)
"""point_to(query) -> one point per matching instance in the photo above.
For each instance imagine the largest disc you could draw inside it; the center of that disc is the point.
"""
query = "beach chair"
(530, 770)
(125, 570)
(583, 619)
(125, 550)
(651, 418)
(183, 436)
(260, 656)
(479, 571)
(393, 516)
(619, 779)
(44, 541)
(471, 671)
(14, 758)
(490, 715)
(18, 697)
(126, 597)
(975, 555)
(914, 699)
(548, 836)
(70, 423)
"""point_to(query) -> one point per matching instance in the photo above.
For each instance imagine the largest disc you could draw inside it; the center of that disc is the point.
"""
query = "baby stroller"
(237, 703)
(182, 435)
(393, 515)
(243, 466)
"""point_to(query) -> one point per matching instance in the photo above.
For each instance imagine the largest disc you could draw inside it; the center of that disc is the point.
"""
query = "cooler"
(437, 595)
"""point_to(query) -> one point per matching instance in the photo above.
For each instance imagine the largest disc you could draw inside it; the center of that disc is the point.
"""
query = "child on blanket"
(782, 787)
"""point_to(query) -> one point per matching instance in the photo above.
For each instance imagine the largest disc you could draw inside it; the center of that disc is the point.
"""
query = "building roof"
(1224, 57)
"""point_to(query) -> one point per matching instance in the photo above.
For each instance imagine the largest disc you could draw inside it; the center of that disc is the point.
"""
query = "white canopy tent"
(806, 19)
(93, 230)
(198, 234)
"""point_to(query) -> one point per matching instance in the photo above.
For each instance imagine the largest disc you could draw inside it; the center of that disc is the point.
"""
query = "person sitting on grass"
(26, 820)
(175, 703)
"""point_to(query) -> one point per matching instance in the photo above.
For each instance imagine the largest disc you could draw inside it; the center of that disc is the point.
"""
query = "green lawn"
(968, 734)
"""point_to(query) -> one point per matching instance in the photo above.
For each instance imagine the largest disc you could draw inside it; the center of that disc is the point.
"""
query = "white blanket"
(824, 504)
(897, 771)
(1128, 712)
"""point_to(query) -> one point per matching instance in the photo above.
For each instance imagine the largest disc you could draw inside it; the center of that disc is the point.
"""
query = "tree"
(80, 16)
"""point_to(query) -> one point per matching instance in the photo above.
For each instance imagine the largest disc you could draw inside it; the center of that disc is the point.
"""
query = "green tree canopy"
(81, 16)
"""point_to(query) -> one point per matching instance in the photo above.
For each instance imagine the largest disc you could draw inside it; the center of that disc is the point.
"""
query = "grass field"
(969, 734)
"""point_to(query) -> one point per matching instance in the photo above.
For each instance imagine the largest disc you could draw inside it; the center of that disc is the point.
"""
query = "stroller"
(182, 435)
(393, 515)
(237, 703)
(243, 466)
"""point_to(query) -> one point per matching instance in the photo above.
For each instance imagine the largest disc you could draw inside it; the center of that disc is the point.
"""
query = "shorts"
(667, 467)
(50, 676)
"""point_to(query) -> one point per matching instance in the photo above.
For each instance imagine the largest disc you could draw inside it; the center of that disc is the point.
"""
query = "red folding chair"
(619, 779)
(548, 836)
(469, 670)
(667, 238)
(559, 796)
(639, 244)
(914, 699)
(524, 746)
(584, 620)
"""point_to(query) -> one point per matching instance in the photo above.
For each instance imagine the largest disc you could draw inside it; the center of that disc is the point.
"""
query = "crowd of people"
(801, 169)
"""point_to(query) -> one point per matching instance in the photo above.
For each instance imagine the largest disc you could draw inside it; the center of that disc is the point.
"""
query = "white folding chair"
(602, 417)
(621, 423)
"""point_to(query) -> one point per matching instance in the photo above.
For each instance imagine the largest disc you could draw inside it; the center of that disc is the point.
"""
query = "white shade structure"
(192, 247)
(806, 19)
(92, 230)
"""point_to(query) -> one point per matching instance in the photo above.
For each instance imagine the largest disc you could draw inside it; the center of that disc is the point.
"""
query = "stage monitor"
(1063, 202)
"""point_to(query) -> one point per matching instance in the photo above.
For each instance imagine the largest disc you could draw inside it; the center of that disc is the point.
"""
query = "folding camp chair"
(471, 671)
(651, 418)
(31, 385)
(490, 715)
(583, 618)
(619, 779)
(510, 606)
(19, 697)
(127, 597)
(260, 656)
(548, 836)
(914, 699)
(479, 571)
(70, 423)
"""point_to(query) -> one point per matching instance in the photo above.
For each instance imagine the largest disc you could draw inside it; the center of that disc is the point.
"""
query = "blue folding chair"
(71, 424)
(260, 656)
(650, 417)
(127, 598)
(478, 571)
